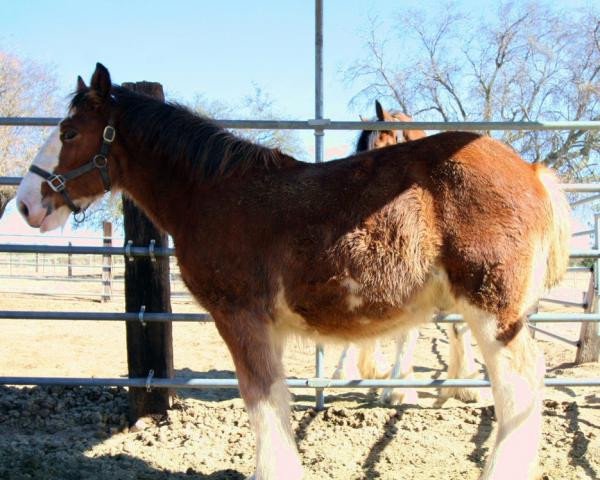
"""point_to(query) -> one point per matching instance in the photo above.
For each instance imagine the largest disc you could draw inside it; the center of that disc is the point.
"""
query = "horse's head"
(383, 138)
(72, 168)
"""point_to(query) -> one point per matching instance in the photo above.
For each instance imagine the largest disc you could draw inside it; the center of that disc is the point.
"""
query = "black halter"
(58, 183)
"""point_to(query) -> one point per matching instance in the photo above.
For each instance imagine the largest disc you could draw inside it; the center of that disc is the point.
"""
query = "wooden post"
(149, 345)
(69, 263)
(588, 349)
(106, 263)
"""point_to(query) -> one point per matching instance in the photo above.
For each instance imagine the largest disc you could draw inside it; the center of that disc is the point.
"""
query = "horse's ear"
(363, 119)
(379, 110)
(101, 82)
(382, 114)
(81, 86)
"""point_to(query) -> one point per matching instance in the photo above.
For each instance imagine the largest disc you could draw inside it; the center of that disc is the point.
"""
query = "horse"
(348, 249)
(366, 360)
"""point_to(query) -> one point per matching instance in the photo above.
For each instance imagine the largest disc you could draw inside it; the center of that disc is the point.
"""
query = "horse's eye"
(68, 135)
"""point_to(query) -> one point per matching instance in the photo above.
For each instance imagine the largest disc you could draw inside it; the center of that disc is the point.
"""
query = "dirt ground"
(82, 433)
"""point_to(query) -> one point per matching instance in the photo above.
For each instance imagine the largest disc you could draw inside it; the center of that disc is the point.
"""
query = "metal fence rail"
(135, 251)
(205, 317)
(320, 124)
(181, 383)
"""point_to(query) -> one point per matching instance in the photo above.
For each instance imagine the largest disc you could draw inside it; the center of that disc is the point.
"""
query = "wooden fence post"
(147, 288)
(588, 349)
(106, 262)
(69, 263)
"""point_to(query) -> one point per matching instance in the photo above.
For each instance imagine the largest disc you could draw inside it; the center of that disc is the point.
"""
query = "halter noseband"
(58, 182)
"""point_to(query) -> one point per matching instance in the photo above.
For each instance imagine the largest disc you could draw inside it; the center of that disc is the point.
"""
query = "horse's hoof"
(399, 396)
(467, 395)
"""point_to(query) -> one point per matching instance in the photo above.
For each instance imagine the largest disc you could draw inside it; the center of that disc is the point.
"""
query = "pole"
(589, 336)
(319, 137)
(147, 289)
(106, 262)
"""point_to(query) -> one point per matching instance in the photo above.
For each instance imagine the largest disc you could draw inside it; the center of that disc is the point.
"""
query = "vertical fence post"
(319, 134)
(69, 263)
(588, 349)
(147, 289)
(106, 262)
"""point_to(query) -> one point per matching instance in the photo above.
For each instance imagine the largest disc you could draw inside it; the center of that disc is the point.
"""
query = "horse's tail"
(559, 234)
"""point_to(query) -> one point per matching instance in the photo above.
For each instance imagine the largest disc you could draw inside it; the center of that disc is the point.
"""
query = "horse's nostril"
(23, 209)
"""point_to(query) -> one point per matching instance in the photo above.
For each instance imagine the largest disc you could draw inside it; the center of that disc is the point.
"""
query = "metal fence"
(319, 125)
(318, 383)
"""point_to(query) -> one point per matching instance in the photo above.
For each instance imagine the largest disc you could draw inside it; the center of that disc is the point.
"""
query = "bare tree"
(258, 105)
(531, 63)
(26, 89)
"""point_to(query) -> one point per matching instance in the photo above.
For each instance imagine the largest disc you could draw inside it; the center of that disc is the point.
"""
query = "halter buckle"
(100, 161)
(57, 182)
(79, 216)
(109, 133)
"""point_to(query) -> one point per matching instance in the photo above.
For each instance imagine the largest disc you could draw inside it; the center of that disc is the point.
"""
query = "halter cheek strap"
(58, 182)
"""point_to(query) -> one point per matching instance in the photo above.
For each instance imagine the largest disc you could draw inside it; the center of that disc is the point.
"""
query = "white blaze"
(29, 194)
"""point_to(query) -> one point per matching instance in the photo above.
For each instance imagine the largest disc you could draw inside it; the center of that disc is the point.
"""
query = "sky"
(218, 49)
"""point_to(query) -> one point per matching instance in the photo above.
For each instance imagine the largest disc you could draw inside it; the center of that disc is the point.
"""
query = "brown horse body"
(343, 250)
(365, 359)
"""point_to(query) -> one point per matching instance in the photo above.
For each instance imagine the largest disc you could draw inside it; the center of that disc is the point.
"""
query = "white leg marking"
(405, 349)
(371, 362)
(516, 371)
(276, 454)
(347, 367)
(461, 362)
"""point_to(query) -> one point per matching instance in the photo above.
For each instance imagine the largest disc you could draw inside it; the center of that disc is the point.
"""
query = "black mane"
(172, 131)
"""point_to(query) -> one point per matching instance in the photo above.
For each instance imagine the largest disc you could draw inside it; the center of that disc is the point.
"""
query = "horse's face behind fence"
(64, 176)
(384, 138)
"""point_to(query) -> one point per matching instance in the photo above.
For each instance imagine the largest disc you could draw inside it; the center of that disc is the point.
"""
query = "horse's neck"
(172, 194)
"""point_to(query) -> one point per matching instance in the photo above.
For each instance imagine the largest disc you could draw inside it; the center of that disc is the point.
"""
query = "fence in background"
(319, 125)
(128, 252)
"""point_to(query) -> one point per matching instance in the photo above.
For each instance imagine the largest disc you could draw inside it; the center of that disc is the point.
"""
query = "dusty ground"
(83, 434)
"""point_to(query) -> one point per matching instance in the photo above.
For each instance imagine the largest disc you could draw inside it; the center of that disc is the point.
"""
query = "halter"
(58, 182)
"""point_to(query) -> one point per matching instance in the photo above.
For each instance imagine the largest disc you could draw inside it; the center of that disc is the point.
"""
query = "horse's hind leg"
(516, 370)
(347, 367)
(256, 352)
(461, 362)
(406, 343)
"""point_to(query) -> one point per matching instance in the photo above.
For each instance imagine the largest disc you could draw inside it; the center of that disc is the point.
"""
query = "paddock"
(73, 423)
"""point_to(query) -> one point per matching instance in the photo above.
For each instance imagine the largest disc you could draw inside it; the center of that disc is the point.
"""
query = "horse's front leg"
(256, 352)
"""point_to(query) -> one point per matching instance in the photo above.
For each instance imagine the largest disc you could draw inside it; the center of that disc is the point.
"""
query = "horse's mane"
(172, 131)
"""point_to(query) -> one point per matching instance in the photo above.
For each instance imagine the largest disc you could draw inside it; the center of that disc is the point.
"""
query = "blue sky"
(215, 48)
(218, 49)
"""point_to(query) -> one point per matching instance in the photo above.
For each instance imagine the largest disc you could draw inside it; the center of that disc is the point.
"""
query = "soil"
(83, 433)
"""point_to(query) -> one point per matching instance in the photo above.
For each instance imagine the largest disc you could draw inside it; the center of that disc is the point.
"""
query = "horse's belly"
(351, 316)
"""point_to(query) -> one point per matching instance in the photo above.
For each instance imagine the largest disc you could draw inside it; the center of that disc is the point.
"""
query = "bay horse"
(365, 360)
(348, 249)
